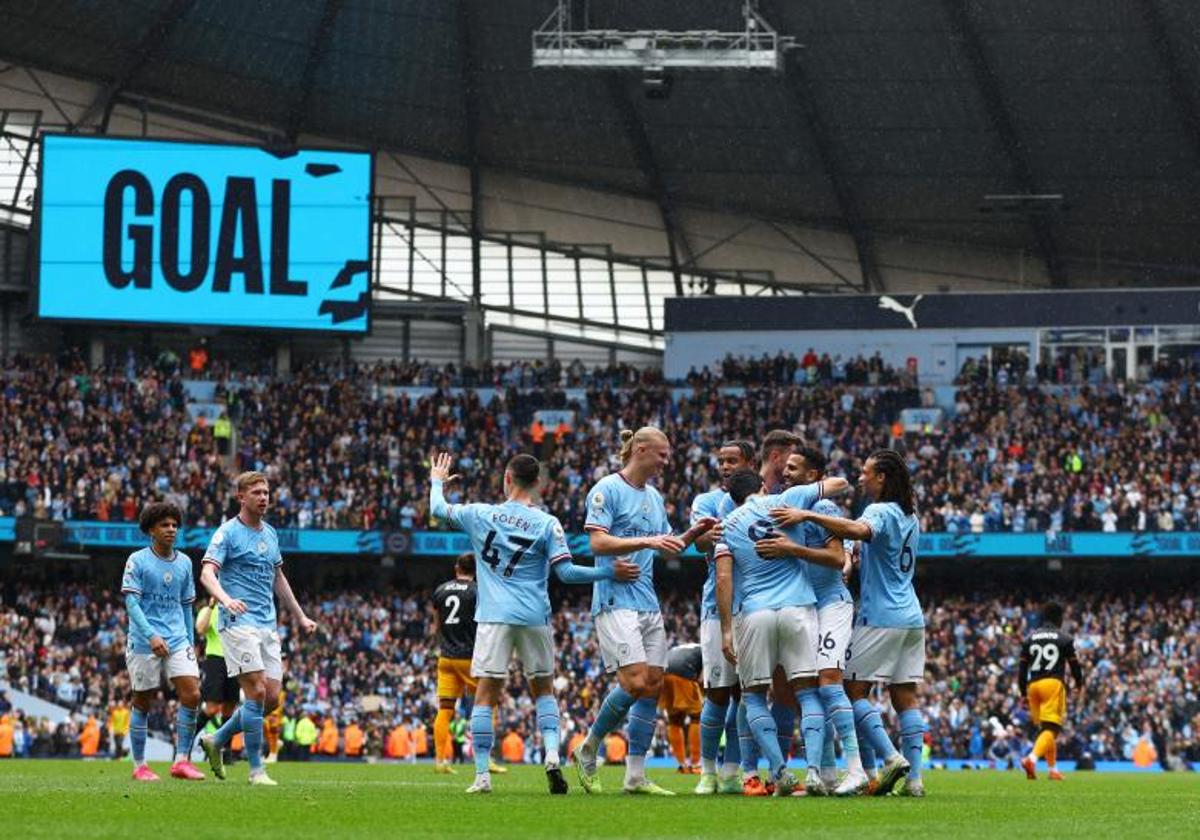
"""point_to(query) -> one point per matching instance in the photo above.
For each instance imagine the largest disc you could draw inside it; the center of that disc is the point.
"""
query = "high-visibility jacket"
(354, 740)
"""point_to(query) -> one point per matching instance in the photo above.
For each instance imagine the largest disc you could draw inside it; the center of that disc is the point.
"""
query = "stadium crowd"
(345, 448)
(372, 664)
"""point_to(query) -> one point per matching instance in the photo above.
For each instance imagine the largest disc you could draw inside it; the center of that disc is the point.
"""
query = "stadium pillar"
(95, 352)
(473, 338)
(283, 358)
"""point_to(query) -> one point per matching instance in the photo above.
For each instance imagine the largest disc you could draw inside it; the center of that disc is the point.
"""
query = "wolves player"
(719, 677)
(159, 591)
(244, 553)
(775, 607)
(454, 602)
(518, 544)
(627, 521)
(1044, 659)
(888, 642)
(835, 620)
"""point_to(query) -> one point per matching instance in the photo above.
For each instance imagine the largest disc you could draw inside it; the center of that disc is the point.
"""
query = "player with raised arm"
(720, 678)
(159, 591)
(1044, 660)
(454, 625)
(888, 641)
(767, 610)
(243, 570)
(627, 522)
(835, 621)
(517, 545)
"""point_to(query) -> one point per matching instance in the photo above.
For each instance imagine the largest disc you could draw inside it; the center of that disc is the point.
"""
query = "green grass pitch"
(97, 799)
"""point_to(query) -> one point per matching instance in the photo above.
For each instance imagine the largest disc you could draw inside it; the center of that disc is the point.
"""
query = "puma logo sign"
(889, 302)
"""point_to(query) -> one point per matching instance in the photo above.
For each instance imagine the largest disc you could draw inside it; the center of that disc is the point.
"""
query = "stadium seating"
(350, 448)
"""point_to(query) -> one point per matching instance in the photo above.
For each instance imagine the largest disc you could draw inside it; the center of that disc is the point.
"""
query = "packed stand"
(373, 664)
(349, 448)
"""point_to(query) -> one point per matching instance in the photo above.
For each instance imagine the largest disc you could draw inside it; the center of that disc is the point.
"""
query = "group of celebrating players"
(779, 635)
(777, 618)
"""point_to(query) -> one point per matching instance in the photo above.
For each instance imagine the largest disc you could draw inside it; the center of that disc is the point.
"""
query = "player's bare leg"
(187, 691)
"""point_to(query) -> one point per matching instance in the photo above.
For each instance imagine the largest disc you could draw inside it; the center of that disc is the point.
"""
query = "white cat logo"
(889, 302)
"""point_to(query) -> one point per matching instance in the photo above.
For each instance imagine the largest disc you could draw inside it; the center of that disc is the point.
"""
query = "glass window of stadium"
(988, 360)
(1076, 356)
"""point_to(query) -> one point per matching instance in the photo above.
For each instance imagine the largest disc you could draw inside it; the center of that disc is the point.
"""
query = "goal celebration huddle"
(781, 643)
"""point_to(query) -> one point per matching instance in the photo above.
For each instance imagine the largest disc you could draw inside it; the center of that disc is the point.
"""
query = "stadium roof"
(893, 119)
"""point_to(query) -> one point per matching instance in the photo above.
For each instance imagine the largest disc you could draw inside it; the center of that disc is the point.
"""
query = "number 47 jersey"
(515, 546)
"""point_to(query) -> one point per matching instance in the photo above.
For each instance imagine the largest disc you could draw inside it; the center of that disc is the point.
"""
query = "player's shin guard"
(828, 753)
(733, 746)
(252, 732)
(228, 729)
(812, 724)
(840, 714)
(612, 711)
(482, 736)
(693, 742)
(137, 735)
(675, 737)
(641, 732)
(912, 740)
(1041, 747)
(185, 730)
(785, 727)
(712, 724)
(766, 736)
(547, 721)
(443, 746)
(870, 729)
(746, 739)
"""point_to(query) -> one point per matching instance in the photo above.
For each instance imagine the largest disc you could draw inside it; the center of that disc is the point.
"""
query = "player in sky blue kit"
(835, 621)
(159, 590)
(768, 614)
(888, 643)
(719, 678)
(516, 545)
(627, 521)
(243, 570)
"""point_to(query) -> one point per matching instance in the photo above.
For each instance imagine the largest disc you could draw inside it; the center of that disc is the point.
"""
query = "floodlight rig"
(757, 47)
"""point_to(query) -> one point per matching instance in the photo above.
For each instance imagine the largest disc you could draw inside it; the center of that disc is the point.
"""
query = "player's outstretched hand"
(667, 543)
(159, 647)
(440, 471)
(776, 548)
(727, 646)
(235, 606)
(625, 571)
(788, 516)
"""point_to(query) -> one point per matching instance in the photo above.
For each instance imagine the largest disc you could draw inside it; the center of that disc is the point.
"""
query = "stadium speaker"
(656, 84)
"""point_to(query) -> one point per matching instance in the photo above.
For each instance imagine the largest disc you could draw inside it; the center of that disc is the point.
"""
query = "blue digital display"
(152, 231)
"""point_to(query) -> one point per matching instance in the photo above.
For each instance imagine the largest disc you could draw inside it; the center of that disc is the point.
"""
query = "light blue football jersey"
(715, 503)
(515, 546)
(827, 582)
(166, 588)
(759, 583)
(246, 559)
(624, 510)
(889, 560)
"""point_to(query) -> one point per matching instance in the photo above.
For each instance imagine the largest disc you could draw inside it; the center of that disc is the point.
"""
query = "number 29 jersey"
(1047, 651)
(515, 546)
(889, 560)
